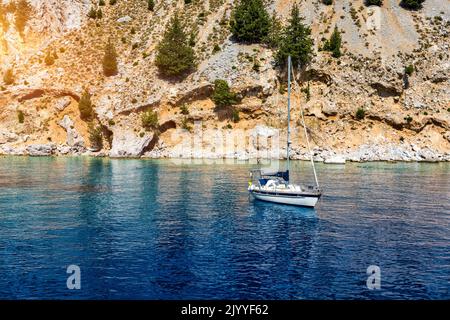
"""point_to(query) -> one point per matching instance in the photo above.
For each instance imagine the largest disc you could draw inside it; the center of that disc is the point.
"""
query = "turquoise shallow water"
(157, 229)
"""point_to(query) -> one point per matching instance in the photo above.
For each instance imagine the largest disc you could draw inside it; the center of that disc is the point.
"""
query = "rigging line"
(306, 131)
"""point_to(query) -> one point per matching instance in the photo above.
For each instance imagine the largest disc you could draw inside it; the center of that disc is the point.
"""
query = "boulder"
(74, 139)
(124, 19)
(6, 137)
(41, 149)
(62, 103)
(128, 144)
(335, 160)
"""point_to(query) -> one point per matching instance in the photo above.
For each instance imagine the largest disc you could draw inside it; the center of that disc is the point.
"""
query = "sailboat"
(275, 186)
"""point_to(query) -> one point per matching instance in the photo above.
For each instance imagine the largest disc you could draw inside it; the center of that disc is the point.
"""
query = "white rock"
(335, 160)
(125, 19)
(74, 139)
(62, 103)
(127, 144)
(41, 149)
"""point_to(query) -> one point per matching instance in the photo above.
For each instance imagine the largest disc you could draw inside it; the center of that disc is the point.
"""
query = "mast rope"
(306, 130)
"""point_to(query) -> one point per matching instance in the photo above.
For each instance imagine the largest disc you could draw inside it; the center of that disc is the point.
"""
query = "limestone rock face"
(128, 144)
(400, 108)
(41, 149)
(73, 137)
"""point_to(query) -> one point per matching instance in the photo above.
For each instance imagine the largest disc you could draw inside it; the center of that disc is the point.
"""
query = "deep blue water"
(152, 229)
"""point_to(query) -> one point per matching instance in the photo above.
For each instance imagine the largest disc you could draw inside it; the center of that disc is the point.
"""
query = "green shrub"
(222, 96)
(111, 122)
(151, 5)
(149, 120)
(101, 2)
(334, 44)
(185, 124)
(112, 2)
(8, 77)
(327, 2)
(409, 70)
(85, 106)
(20, 116)
(95, 137)
(374, 2)
(109, 62)
(408, 119)
(250, 21)
(49, 58)
(235, 116)
(174, 56)
(22, 15)
(92, 14)
(184, 109)
(360, 113)
(412, 4)
(216, 48)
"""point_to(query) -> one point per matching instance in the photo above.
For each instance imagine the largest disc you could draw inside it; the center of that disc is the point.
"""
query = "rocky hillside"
(365, 105)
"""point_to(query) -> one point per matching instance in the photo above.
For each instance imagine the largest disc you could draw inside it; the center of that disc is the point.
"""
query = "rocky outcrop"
(128, 144)
(41, 149)
(74, 139)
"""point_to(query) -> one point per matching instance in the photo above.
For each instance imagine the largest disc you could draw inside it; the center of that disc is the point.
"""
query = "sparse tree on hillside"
(110, 60)
(412, 4)
(95, 137)
(3, 19)
(374, 2)
(85, 106)
(92, 13)
(334, 44)
(296, 41)
(174, 55)
(222, 95)
(8, 77)
(151, 5)
(250, 21)
(22, 15)
(273, 38)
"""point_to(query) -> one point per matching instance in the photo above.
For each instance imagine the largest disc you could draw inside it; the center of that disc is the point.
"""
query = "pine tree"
(85, 106)
(8, 77)
(22, 15)
(412, 4)
(273, 38)
(174, 55)
(334, 44)
(3, 20)
(250, 21)
(151, 5)
(222, 95)
(92, 13)
(296, 41)
(110, 60)
(374, 2)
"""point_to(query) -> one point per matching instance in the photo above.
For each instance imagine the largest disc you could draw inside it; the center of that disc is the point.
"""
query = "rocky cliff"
(406, 117)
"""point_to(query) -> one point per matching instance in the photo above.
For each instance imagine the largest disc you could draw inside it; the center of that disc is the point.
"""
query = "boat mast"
(306, 134)
(289, 117)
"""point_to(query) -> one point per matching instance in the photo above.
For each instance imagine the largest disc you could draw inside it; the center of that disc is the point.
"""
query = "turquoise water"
(154, 229)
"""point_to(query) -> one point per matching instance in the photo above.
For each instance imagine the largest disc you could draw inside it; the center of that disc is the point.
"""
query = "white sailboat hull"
(296, 201)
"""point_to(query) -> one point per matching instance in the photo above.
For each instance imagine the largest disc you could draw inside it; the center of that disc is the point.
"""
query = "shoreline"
(222, 159)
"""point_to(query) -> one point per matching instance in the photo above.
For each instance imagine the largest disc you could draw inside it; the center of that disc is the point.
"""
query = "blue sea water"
(158, 229)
